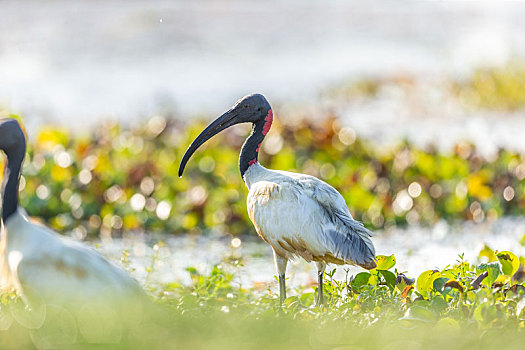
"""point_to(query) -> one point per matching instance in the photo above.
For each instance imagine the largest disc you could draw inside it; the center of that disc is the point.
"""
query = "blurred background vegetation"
(436, 80)
(116, 178)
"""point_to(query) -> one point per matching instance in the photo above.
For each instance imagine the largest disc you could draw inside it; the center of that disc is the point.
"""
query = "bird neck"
(250, 150)
(11, 181)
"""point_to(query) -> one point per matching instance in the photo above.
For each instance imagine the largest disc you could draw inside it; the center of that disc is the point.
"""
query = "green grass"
(371, 310)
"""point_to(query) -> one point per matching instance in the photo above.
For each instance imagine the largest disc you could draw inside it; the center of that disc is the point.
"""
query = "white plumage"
(300, 215)
(51, 269)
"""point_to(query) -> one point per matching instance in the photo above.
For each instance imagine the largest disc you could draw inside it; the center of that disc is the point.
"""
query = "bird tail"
(353, 244)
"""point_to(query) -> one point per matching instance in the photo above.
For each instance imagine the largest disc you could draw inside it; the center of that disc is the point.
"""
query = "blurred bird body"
(298, 215)
(51, 269)
(45, 267)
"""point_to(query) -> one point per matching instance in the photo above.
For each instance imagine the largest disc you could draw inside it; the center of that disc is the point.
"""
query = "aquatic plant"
(462, 305)
(116, 179)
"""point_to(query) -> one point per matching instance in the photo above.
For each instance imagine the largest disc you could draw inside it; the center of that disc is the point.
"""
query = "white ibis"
(47, 268)
(298, 215)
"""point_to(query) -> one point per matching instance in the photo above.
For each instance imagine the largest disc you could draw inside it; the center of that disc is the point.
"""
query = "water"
(431, 116)
(74, 63)
(416, 249)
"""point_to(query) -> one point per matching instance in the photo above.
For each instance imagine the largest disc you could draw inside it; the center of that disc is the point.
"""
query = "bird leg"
(320, 298)
(282, 289)
(320, 271)
(280, 264)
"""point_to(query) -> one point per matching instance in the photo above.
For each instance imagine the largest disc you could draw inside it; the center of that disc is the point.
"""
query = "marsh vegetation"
(115, 182)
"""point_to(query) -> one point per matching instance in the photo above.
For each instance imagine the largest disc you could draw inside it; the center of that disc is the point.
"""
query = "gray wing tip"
(370, 265)
(352, 247)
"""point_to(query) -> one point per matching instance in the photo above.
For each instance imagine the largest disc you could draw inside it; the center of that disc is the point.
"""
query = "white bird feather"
(300, 215)
(51, 269)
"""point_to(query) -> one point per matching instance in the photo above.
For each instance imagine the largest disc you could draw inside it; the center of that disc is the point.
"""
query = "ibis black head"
(253, 109)
(12, 138)
(13, 143)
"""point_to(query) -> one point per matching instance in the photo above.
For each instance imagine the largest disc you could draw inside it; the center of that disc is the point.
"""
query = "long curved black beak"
(224, 121)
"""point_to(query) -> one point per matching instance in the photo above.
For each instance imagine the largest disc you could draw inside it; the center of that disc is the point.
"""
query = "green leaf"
(439, 284)
(425, 281)
(451, 274)
(385, 262)
(307, 299)
(479, 311)
(193, 271)
(360, 279)
(509, 263)
(291, 301)
(418, 313)
(446, 325)
(438, 304)
(488, 253)
(493, 268)
(389, 277)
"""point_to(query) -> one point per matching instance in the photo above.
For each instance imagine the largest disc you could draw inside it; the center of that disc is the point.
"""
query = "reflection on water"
(416, 248)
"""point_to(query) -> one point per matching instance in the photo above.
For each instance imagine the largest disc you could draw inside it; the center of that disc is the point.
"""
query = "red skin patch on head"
(268, 122)
(252, 162)
(258, 146)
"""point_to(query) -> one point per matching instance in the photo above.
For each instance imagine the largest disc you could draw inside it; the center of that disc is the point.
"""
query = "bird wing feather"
(343, 236)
